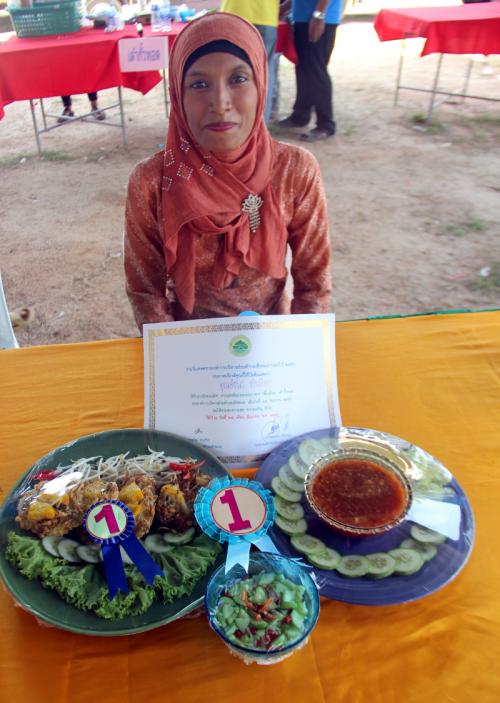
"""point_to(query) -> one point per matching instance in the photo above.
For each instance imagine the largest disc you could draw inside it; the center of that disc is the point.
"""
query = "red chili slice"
(178, 467)
(45, 475)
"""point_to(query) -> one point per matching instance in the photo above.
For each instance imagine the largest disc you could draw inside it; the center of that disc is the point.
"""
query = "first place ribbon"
(239, 512)
(111, 523)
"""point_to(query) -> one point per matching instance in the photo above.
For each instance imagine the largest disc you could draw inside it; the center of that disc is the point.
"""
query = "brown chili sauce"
(359, 493)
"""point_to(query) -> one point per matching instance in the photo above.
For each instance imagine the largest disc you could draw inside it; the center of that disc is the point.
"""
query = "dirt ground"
(414, 207)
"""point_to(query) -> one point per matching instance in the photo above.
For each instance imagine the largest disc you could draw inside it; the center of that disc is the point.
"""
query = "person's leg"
(323, 96)
(269, 35)
(304, 97)
(320, 84)
(67, 111)
(96, 113)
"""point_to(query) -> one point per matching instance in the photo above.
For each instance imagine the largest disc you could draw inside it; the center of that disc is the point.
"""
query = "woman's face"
(220, 101)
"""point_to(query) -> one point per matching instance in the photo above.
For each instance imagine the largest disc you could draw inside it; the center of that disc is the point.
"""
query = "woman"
(208, 220)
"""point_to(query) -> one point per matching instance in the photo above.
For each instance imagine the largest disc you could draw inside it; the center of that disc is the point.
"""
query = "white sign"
(242, 385)
(437, 515)
(143, 54)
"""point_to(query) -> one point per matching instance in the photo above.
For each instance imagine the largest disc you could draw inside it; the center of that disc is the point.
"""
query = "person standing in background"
(67, 112)
(263, 14)
(315, 26)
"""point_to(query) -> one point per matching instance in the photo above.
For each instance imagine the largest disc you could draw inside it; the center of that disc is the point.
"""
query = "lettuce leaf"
(85, 587)
(183, 566)
(135, 602)
(82, 586)
(28, 556)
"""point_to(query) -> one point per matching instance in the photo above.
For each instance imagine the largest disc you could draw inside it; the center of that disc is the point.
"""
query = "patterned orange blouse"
(151, 291)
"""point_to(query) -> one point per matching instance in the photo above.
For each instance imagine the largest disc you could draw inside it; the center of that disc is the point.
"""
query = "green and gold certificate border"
(239, 326)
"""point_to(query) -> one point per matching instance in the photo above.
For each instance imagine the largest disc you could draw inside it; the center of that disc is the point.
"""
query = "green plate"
(46, 604)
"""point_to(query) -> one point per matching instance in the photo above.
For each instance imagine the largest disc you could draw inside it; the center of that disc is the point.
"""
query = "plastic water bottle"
(155, 18)
(166, 20)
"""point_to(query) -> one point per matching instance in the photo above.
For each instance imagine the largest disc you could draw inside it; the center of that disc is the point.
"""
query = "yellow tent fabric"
(433, 380)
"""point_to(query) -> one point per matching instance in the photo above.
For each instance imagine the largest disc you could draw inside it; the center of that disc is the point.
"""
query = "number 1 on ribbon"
(106, 513)
(229, 499)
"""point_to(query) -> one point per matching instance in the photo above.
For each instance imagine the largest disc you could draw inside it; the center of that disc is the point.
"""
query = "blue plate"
(451, 555)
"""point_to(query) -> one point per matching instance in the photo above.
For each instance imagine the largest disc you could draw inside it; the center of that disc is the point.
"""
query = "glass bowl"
(364, 454)
(263, 561)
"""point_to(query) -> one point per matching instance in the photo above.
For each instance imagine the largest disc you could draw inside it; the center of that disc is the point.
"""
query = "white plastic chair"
(7, 337)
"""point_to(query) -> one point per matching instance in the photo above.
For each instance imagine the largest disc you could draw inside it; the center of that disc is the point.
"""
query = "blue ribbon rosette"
(111, 523)
(239, 512)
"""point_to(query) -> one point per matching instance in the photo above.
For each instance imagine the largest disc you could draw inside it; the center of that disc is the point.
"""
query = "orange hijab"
(204, 195)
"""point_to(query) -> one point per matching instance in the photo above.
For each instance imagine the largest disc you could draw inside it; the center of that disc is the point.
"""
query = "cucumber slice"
(288, 479)
(288, 599)
(327, 559)
(278, 642)
(50, 543)
(380, 565)
(310, 450)
(381, 576)
(307, 544)
(266, 578)
(297, 619)
(423, 534)
(353, 566)
(290, 511)
(180, 538)
(427, 551)
(67, 550)
(156, 543)
(259, 596)
(291, 527)
(297, 467)
(242, 621)
(91, 553)
(408, 561)
(432, 470)
(283, 492)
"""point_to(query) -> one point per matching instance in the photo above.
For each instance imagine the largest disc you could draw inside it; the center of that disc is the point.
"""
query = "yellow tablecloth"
(434, 380)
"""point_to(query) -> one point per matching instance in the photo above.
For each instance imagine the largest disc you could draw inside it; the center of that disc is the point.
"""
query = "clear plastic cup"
(262, 561)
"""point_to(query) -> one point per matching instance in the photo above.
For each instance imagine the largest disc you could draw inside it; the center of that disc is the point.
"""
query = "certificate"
(240, 386)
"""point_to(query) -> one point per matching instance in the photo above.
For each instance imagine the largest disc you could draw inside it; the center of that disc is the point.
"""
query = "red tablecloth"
(465, 29)
(83, 62)
(67, 64)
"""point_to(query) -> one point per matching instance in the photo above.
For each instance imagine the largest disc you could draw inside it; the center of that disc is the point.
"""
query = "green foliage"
(56, 156)
(20, 159)
(461, 229)
(490, 281)
(420, 122)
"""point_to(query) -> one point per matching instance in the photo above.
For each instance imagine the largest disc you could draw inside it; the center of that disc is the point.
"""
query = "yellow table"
(434, 380)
